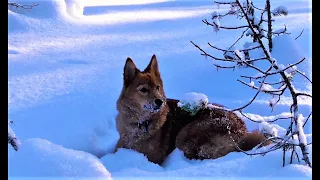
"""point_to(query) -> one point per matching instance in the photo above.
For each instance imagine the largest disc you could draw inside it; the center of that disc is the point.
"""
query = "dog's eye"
(158, 88)
(144, 90)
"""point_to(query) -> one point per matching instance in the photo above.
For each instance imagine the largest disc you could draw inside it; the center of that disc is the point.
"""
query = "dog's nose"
(158, 102)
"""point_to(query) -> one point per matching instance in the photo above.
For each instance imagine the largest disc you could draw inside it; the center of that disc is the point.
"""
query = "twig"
(254, 97)
(273, 83)
(22, 6)
(303, 94)
(223, 27)
(302, 74)
(305, 122)
(224, 3)
(243, 33)
(274, 120)
(273, 92)
(299, 34)
(224, 50)
(225, 67)
(257, 7)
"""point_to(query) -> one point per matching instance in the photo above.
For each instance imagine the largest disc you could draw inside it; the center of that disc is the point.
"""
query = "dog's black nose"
(158, 102)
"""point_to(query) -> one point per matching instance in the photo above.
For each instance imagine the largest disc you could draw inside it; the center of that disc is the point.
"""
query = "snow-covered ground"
(66, 61)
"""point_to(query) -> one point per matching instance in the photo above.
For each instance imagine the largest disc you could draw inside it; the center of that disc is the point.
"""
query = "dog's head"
(143, 88)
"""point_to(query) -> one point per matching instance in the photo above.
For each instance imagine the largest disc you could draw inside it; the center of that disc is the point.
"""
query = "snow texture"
(273, 129)
(216, 23)
(260, 118)
(12, 138)
(193, 102)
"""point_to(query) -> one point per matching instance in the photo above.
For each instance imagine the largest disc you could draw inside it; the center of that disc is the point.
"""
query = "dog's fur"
(157, 130)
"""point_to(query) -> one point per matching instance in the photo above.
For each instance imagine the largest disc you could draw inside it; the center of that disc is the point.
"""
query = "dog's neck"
(143, 123)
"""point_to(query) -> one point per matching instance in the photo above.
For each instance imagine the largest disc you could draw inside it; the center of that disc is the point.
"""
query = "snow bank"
(235, 165)
(128, 159)
(41, 158)
(193, 101)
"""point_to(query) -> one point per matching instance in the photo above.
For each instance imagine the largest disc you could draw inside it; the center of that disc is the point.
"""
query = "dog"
(154, 125)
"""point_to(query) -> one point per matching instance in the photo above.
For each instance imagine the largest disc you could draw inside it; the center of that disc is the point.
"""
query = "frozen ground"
(65, 74)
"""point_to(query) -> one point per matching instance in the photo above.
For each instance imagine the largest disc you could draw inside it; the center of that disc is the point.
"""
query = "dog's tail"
(251, 140)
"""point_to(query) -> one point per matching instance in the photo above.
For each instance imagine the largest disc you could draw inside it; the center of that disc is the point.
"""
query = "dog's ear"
(153, 66)
(130, 71)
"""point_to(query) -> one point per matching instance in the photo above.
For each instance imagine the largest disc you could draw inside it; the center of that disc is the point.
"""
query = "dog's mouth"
(144, 125)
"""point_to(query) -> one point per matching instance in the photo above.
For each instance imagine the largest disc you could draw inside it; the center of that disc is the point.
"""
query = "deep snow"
(65, 74)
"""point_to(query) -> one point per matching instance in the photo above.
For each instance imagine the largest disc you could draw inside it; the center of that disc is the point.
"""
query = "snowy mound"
(41, 158)
(193, 101)
(130, 159)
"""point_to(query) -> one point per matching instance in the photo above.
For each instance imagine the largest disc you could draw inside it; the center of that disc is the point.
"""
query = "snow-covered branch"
(246, 11)
(266, 88)
(13, 4)
(12, 139)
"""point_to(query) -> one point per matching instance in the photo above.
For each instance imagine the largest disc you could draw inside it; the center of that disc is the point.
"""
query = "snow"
(12, 137)
(65, 67)
(299, 128)
(266, 87)
(130, 159)
(260, 118)
(41, 158)
(273, 129)
(216, 23)
(193, 101)
(251, 83)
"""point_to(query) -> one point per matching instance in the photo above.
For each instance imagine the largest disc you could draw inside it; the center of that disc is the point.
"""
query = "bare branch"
(222, 27)
(305, 122)
(299, 34)
(225, 67)
(274, 120)
(242, 35)
(254, 97)
(224, 3)
(302, 74)
(254, 77)
(214, 47)
(204, 53)
(273, 83)
(273, 92)
(22, 6)
(303, 94)
(257, 7)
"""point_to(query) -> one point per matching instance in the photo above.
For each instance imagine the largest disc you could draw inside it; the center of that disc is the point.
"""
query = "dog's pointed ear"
(153, 66)
(130, 71)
